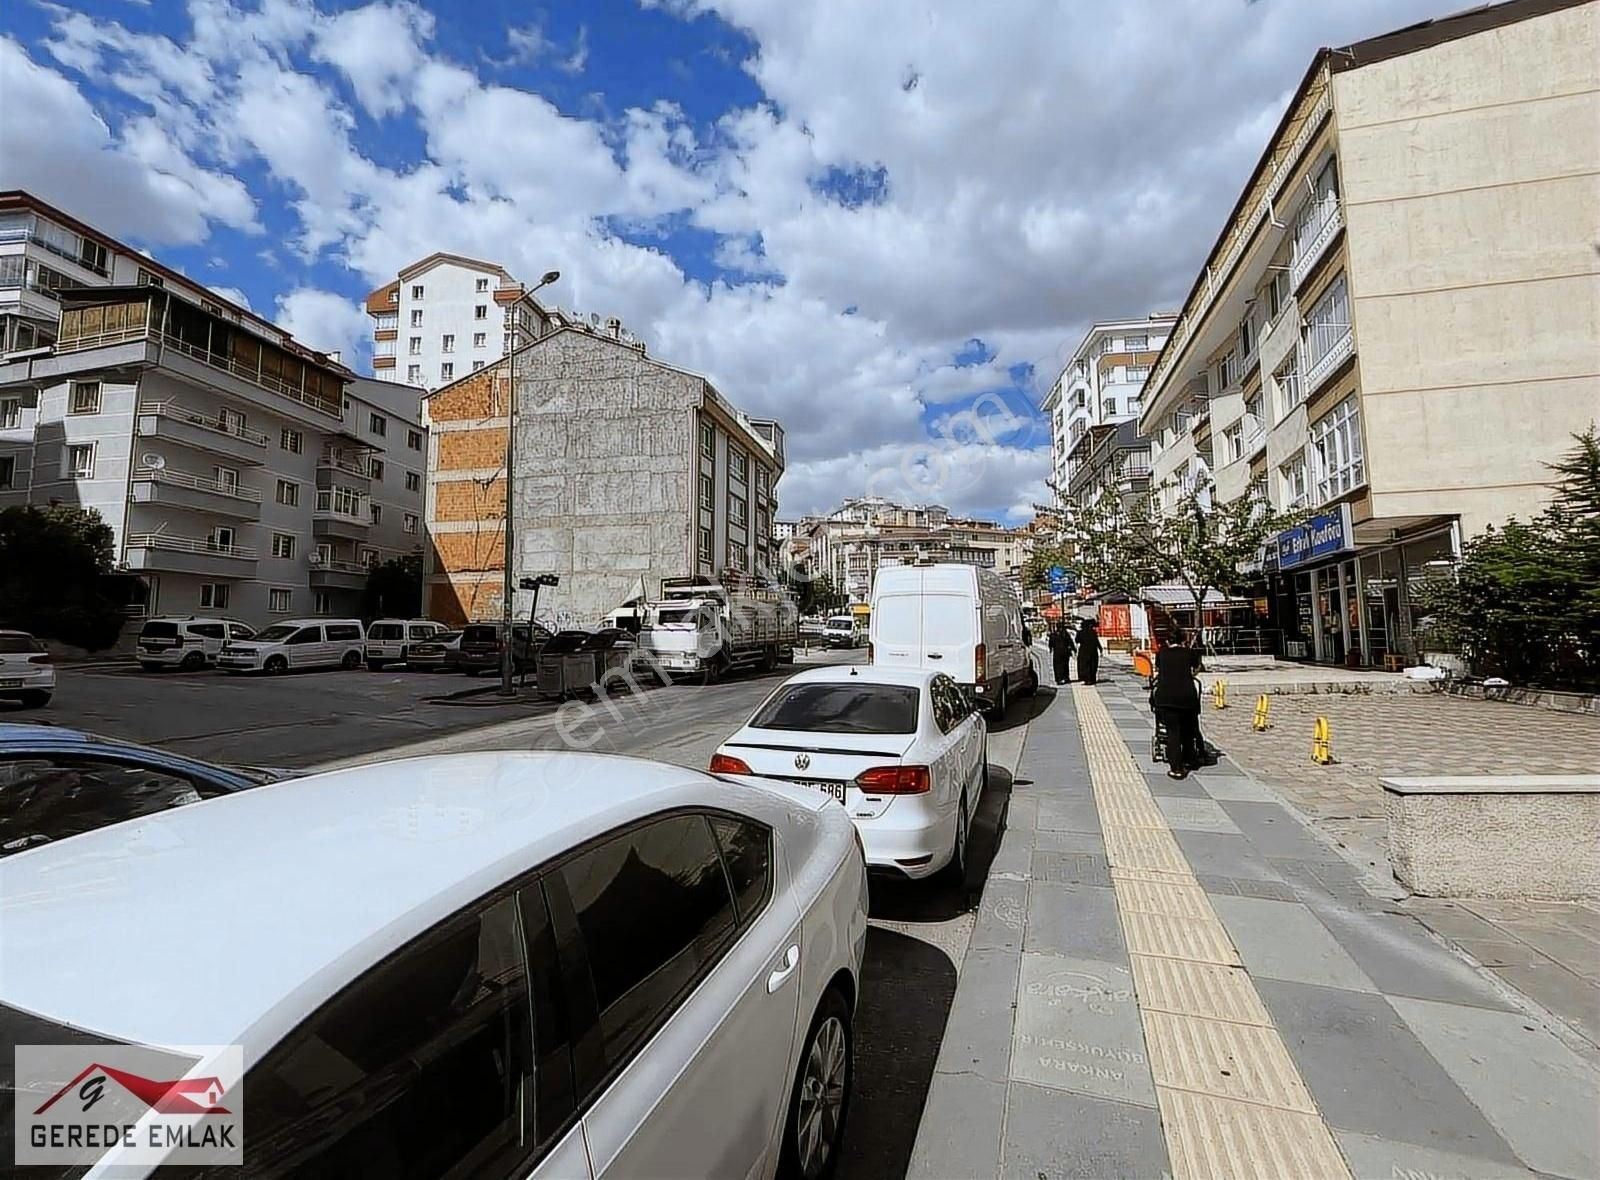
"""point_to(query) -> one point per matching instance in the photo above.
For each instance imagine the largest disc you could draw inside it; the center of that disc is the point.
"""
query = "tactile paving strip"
(1218, 1139)
(1211, 991)
(1167, 936)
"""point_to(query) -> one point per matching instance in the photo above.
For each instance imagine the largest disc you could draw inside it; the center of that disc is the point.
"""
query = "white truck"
(703, 628)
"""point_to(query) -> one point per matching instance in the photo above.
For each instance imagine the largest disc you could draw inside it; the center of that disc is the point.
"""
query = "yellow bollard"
(1321, 743)
(1219, 694)
(1261, 724)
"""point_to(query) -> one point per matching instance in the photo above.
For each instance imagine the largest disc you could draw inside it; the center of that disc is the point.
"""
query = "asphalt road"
(919, 931)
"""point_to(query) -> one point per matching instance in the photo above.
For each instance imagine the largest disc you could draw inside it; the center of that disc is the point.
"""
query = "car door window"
(747, 851)
(306, 635)
(654, 912)
(239, 631)
(49, 797)
(207, 630)
(422, 1068)
(943, 715)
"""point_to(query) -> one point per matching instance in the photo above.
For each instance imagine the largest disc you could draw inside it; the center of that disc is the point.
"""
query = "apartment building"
(445, 316)
(1399, 324)
(1099, 388)
(239, 471)
(627, 470)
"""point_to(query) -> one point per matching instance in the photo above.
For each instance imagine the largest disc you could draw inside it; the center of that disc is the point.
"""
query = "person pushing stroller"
(1176, 699)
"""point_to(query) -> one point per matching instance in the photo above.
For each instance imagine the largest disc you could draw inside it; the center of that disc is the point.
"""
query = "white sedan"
(500, 964)
(26, 672)
(904, 749)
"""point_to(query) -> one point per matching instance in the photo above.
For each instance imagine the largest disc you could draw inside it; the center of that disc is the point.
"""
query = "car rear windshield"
(386, 631)
(842, 708)
(12, 644)
(158, 631)
(482, 634)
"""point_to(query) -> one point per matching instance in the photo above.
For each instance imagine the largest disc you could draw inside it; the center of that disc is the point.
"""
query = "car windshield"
(677, 615)
(158, 631)
(47, 797)
(842, 708)
(842, 623)
(276, 633)
(13, 644)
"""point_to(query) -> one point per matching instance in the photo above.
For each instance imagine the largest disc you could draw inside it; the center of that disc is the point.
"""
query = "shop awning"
(1180, 596)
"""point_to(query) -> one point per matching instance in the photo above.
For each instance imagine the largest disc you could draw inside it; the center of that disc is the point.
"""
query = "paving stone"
(1078, 1029)
(1002, 913)
(1073, 920)
(1244, 887)
(1537, 1093)
(1071, 868)
(1070, 1137)
(1371, 1158)
(1196, 815)
(1369, 1073)
(977, 1033)
(1078, 840)
(1284, 940)
(1554, 988)
(1276, 833)
(1069, 815)
(1222, 855)
(1014, 857)
(1022, 811)
(961, 1128)
(1174, 788)
(1235, 787)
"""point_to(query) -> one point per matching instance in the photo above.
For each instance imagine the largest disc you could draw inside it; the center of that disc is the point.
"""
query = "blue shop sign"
(1321, 536)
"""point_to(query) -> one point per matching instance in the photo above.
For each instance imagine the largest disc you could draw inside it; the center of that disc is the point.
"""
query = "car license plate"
(826, 786)
(10, 683)
(157, 644)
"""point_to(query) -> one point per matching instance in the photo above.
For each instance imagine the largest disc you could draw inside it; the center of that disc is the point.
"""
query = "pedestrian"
(1088, 651)
(1061, 646)
(1176, 698)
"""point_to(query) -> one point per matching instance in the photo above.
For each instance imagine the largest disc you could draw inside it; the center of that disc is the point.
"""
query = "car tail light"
(44, 658)
(980, 663)
(895, 780)
(727, 764)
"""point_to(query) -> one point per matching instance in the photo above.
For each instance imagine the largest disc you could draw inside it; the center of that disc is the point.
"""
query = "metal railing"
(183, 413)
(1324, 347)
(340, 567)
(1313, 238)
(189, 545)
(343, 463)
(326, 507)
(199, 483)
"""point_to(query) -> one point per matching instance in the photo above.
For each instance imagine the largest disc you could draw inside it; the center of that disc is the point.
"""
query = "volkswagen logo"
(801, 761)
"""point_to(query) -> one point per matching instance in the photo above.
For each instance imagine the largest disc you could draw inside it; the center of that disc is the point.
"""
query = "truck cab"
(700, 627)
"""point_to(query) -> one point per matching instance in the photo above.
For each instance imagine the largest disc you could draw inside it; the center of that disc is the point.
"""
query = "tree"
(394, 589)
(54, 564)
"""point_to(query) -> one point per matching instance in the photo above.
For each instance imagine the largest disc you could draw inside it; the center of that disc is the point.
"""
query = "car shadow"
(1024, 709)
(907, 987)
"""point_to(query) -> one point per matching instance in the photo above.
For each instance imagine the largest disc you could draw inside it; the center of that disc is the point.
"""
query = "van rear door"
(897, 624)
(949, 633)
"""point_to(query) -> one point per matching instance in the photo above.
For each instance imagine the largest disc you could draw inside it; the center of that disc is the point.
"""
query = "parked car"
(656, 972)
(440, 651)
(57, 782)
(956, 619)
(26, 671)
(297, 644)
(480, 646)
(904, 749)
(389, 640)
(189, 642)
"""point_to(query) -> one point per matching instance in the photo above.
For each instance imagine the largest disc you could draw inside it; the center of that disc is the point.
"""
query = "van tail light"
(728, 764)
(869, 653)
(895, 780)
(980, 663)
(43, 658)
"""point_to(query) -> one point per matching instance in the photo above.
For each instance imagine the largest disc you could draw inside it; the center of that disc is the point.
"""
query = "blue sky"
(885, 224)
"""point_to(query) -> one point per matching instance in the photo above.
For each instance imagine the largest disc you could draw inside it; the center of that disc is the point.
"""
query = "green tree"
(394, 589)
(54, 564)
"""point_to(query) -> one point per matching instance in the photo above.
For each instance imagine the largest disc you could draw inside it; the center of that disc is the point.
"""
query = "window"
(476, 365)
(416, 318)
(447, 372)
(93, 255)
(737, 511)
(226, 479)
(654, 911)
(1336, 450)
(368, 558)
(80, 461)
(413, 440)
(221, 539)
(413, 481)
(1138, 343)
(1225, 373)
(85, 398)
(278, 601)
(413, 374)
(414, 345)
(52, 796)
(1328, 323)
(409, 522)
(735, 555)
(447, 342)
(481, 312)
(1292, 478)
(321, 603)
(705, 547)
(377, 513)
(1290, 391)
(338, 631)
(481, 286)
(747, 851)
(1233, 442)
(8, 471)
(291, 440)
(288, 493)
(1108, 409)
(375, 468)
(842, 708)
(214, 595)
(762, 483)
(1137, 373)
(738, 464)
(10, 413)
(1246, 337)
(282, 545)
(480, 340)
(708, 496)
(377, 424)
(1278, 291)
(417, 291)
(708, 440)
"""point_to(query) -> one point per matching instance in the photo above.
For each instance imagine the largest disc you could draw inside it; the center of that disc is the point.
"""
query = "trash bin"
(612, 649)
(562, 665)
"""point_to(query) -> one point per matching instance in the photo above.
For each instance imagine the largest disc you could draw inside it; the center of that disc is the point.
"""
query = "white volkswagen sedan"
(904, 749)
(500, 965)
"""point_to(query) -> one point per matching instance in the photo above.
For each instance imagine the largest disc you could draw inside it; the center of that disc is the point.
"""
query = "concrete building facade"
(1399, 325)
(627, 470)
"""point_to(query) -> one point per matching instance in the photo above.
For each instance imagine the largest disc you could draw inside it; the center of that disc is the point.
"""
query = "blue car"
(57, 782)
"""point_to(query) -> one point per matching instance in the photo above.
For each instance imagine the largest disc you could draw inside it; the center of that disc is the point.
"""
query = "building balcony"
(338, 575)
(171, 553)
(181, 424)
(327, 521)
(332, 463)
(1312, 243)
(183, 489)
(1332, 345)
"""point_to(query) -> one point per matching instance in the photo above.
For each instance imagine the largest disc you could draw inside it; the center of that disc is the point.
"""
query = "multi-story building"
(627, 470)
(1098, 389)
(1397, 327)
(444, 317)
(239, 471)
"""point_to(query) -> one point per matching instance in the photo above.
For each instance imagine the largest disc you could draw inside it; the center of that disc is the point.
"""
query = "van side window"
(422, 631)
(337, 631)
(208, 630)
(306, 635)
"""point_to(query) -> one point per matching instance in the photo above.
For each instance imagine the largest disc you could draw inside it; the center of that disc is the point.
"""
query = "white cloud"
(378, 48)
(326, 321)
(233, 295)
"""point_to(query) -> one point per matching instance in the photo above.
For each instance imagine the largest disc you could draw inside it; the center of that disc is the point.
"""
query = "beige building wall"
(1473, 269)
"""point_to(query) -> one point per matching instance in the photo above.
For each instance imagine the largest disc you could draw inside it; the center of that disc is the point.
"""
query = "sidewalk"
(1181, 978)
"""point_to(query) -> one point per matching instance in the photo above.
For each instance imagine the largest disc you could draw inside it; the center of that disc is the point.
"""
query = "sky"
(886, 224)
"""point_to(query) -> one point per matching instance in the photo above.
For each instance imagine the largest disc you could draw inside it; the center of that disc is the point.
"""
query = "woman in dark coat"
(1088, 651)
(1061, 652)
(1177, 702)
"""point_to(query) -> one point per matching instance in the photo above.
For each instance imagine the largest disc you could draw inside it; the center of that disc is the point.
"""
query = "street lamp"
(507, 594)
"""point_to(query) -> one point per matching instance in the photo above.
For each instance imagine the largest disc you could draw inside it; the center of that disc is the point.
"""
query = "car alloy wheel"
(352, 661)
(815, 1127)
(193, 661)
(275, 666)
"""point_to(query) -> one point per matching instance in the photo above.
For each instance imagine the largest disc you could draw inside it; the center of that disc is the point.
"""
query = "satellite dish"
(153, 461)
(315, 559)
(594, 319)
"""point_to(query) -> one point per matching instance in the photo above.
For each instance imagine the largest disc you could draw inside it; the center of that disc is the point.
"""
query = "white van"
(388, 640)
(297, 644)
(956, 619)
(844, 631)
(190, 642)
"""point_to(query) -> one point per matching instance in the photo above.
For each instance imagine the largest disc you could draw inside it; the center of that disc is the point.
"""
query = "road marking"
(1232, 1101)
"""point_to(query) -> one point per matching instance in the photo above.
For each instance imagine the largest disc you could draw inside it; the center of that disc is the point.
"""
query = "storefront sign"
(1321, 536)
